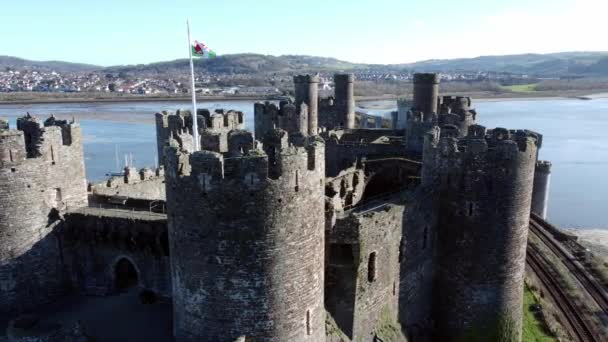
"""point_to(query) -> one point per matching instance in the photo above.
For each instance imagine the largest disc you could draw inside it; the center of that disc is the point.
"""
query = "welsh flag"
(201, 50)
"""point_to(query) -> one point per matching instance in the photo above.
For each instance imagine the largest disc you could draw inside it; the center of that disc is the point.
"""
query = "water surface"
(574, 131)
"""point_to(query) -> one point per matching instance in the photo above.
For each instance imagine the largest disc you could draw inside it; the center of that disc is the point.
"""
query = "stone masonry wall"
(485, 183)
(41, 175)
(94, 240)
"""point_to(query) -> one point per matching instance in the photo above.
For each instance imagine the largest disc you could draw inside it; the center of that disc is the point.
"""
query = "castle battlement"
(37, 141)
(176, 128)
(417, 116)
(456, 104)
(287, 116)
(543, 166)
(306, 79)
(427, 78)
(494, 144)
(247, 162)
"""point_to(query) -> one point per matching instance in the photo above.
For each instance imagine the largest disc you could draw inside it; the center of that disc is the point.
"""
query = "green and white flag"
(201, 50)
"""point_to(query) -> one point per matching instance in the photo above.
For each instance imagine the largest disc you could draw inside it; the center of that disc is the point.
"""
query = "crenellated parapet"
(485, 185)
(456, 111)
(286, 116)
(176, 128)
(235, 220)
(540, 192)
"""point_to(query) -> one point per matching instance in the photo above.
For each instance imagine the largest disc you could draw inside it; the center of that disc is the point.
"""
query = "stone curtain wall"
(94, 240)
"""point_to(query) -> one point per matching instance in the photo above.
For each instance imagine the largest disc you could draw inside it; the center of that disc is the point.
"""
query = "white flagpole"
(194, 116)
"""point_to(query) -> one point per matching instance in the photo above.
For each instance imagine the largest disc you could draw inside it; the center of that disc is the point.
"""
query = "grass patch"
(534, 329)
(521, 88)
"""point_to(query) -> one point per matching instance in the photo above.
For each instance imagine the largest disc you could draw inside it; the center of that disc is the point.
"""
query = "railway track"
(579, 328)
(591, 285)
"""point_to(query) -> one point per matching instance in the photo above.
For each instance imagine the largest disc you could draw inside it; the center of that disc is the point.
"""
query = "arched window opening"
(125, 275)
(371, 267)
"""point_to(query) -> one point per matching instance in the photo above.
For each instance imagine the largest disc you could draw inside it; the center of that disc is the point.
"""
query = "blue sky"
(111, 32)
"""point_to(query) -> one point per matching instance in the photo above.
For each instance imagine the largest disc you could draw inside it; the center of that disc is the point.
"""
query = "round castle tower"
(41, 175)
(345, 98)
(426, 92)
(247, 254)
(422, 117)
(307, 91)
(485, 183)
(540, 194)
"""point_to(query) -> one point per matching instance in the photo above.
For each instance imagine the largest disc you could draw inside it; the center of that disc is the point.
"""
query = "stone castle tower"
(247, 254)
(41, 175)
(345, 100)
(450, 113)
(485, 186)
(540, 193)
(307, 92)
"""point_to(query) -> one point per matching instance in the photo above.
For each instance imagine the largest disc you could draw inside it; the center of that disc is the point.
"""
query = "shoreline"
(133, 99)
(477, 96)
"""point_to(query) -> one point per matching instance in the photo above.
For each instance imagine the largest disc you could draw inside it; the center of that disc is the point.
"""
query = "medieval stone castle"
(306, 229)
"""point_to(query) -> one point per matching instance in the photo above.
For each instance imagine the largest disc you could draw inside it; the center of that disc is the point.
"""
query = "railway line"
(595, 289)
(576, 318)
(575, 322)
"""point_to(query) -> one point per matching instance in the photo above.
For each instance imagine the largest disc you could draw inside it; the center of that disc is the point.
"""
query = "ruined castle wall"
(247, 255)
(378, 269)
(343, 150)
(418, 263)
(418, 126)
(95, 240)
(485, 184)
(149, 188)
(33, 192)
(363, 290)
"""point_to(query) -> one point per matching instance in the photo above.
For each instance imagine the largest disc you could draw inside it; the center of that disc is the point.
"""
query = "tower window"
(58, 198)
(425, 237)
(470, 209)
(308, 328)
(371, 267)
(297, 187)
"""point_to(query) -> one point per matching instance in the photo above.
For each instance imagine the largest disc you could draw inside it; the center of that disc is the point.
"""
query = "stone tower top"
(428, 78)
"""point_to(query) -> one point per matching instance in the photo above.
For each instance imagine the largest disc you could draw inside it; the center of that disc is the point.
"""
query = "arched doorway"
(125, 275)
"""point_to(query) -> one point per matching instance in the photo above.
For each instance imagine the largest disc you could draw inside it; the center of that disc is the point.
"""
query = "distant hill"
(553, 64)
(247, 63)
(21, 64)
(542, 65)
